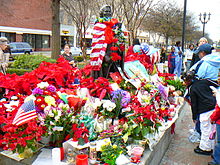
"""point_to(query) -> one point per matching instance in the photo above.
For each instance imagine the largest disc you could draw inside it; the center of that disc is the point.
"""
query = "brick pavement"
(180, 151)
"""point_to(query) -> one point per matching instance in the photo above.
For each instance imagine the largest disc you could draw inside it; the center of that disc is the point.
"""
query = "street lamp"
(204, 18)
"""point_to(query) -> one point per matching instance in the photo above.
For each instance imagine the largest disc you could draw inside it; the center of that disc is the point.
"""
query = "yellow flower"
(50, 100)
(163, 108)
(114, 146)
(108, 143)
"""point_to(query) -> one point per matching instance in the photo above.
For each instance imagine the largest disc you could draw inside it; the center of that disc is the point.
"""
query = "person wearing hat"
(3, 57)
(210, 63)
(202, 100)
(195, 57)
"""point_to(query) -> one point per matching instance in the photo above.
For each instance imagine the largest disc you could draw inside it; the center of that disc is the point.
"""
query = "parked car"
(75, 51)
(20, 48)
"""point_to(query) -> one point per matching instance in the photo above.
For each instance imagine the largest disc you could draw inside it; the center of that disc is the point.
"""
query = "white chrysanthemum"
(52, 123)
(51, 114)
(171, 87)
(57, 118)
(43, 85)
(97, 103)
(108, 105)
(63, 106)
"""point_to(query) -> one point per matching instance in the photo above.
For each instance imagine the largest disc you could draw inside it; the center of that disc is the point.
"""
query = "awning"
(65, 30)
(23, 30)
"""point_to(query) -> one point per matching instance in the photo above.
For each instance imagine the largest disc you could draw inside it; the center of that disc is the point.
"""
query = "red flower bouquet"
(79, 133)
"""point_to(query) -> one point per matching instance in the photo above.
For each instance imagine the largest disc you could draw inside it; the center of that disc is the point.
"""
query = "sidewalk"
(180, 151)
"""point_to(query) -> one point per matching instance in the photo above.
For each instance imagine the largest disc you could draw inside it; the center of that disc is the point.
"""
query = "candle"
(82, 160)
(57, 154)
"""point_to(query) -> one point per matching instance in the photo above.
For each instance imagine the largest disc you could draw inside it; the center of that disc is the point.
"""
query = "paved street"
(180, 151)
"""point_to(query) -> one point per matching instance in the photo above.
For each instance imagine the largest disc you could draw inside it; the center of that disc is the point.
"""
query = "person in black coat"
(203, 104)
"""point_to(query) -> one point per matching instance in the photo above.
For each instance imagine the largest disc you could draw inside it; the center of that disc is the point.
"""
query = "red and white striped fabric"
(155, 57)
(98, 46)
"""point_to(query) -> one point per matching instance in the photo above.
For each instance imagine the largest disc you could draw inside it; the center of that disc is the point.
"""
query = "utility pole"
(184, 24)
(204, 20)
(55, 29)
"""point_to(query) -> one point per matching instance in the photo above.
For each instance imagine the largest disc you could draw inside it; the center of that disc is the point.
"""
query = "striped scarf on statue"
(99, 46)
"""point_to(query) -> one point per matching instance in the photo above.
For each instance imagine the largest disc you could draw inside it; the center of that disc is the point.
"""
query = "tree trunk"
(55, 29)
(167, 38)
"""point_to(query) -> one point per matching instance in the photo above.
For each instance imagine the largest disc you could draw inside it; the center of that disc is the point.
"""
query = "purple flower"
(163, 92)
(51, 88)
(60, 101)
(39, 111)
(121, 95)
(37, 91)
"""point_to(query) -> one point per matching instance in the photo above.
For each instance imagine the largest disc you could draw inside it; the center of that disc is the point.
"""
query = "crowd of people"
(201, 77)
(199, 68)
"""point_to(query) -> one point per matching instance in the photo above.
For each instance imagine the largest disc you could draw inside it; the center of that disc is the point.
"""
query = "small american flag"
(25, 113)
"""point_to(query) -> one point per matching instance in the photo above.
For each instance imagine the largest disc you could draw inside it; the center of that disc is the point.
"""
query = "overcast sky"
(201, 6)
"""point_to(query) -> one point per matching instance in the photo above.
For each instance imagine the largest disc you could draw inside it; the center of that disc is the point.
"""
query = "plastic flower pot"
(82, 160)
(137, 152)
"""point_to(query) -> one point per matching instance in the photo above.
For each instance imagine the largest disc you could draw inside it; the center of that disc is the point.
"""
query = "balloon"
(145, 48)
(137, 49)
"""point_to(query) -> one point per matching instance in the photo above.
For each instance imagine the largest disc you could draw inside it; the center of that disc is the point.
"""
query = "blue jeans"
(197, 126)
(178, 65)
(216, 153)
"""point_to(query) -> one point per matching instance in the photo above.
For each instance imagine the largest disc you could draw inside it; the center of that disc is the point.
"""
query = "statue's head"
(106, 11)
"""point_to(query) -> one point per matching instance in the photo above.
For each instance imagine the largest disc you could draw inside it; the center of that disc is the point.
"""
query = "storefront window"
(30, 38)
(37, 41)
(46, 41)
(10, 36)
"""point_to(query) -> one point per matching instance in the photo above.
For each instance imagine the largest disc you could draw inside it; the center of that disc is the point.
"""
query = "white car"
(75, 51)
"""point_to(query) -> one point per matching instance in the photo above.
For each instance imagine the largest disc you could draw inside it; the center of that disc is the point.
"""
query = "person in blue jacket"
(178, 59)
(202, 100)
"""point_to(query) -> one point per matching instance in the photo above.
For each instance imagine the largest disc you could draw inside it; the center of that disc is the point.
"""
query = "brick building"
(30, 21)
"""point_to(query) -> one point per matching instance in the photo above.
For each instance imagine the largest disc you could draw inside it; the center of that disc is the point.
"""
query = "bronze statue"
(107, 45)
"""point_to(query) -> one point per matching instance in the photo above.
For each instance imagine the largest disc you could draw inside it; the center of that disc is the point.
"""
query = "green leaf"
(81, 141)
(20, 149)
(33, 148)
(137, 130)
(144, 131)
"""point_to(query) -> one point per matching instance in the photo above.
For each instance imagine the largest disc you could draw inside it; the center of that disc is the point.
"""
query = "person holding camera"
(202, 100)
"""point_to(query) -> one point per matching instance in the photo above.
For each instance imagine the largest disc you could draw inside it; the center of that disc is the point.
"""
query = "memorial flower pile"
(71, 105)
(18, 138)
